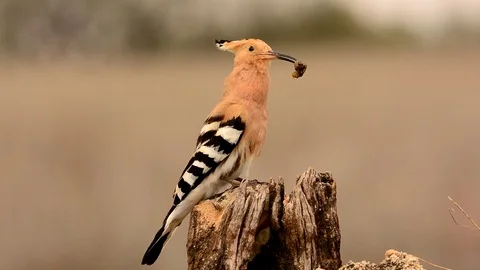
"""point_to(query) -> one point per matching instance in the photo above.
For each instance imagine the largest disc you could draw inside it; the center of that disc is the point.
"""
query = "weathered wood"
(226, 232)
(311, 223)
(255, 227)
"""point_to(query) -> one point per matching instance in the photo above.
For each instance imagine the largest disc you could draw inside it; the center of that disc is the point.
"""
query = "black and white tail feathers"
(215, 144)
(156, 247)
(159, 241)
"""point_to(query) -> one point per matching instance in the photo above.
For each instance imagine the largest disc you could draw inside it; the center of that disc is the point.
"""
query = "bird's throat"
(248, 82)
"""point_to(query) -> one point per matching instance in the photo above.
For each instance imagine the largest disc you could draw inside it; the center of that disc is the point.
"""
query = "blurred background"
(101, 102)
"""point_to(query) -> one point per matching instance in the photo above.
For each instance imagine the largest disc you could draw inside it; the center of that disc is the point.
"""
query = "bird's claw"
(237, 181)
(241, 180)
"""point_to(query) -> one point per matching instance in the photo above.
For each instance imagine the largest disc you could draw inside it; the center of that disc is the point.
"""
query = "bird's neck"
(248, 82)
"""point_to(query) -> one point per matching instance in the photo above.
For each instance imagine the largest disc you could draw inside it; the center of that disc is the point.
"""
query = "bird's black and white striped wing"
(217, 140)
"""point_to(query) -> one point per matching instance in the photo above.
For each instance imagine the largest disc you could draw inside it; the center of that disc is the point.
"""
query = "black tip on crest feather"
(221, 41)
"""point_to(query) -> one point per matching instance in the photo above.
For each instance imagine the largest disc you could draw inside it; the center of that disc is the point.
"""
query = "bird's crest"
(221, 42)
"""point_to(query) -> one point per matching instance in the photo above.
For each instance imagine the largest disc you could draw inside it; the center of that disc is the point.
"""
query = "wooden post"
(255, 226)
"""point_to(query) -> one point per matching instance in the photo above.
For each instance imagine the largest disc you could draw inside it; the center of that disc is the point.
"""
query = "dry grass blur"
(90, 152)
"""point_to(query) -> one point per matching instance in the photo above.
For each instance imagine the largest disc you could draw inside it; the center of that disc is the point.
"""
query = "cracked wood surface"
(254, 226)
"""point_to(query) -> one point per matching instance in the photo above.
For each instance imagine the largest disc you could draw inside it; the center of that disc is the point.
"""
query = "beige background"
(90, 151)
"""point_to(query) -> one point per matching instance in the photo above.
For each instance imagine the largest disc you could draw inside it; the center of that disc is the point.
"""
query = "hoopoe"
(232, 135)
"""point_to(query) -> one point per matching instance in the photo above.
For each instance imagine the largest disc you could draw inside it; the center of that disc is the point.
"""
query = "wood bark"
(255, 226)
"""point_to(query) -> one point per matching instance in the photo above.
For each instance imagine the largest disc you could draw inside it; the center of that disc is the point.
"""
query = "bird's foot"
(241, 180)
(237, 181)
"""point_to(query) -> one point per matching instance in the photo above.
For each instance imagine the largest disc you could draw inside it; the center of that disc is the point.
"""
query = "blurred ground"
(91, 152)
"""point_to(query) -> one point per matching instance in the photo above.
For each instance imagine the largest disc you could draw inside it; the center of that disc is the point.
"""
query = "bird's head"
(252, 50)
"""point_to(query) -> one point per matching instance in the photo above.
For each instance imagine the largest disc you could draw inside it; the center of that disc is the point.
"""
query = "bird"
(231, 138)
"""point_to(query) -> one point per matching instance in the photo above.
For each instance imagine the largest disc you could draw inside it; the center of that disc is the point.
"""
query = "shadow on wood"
(254, 226)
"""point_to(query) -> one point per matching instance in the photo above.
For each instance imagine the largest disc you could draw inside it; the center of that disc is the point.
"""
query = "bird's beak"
(282, 56)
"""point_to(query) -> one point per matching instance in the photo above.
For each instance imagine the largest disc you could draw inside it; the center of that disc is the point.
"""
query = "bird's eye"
(251, 48)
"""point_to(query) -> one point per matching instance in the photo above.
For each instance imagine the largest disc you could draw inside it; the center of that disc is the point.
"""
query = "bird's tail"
(160, 240)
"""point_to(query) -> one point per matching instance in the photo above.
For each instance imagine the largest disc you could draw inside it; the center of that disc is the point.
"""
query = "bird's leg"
(236, 182)
(241, 180)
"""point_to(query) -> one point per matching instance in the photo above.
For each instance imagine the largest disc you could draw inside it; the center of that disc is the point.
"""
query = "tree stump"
(254, 226)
